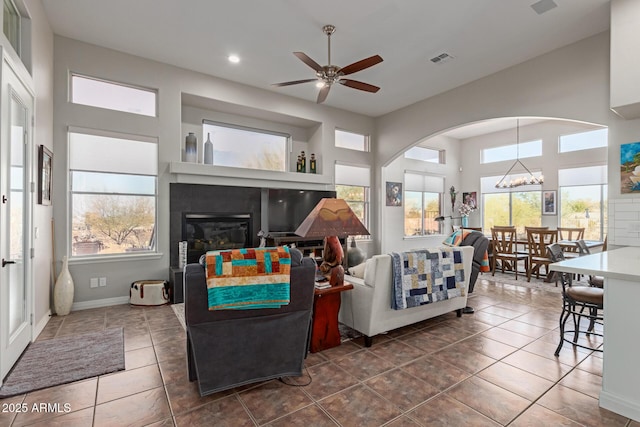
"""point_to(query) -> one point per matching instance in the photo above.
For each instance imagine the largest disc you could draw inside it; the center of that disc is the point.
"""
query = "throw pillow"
(358, 270)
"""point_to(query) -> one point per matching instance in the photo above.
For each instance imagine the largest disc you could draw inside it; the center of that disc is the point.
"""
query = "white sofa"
(367, 307)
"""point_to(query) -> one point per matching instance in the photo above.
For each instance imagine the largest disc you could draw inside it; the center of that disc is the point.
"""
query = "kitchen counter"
(620, 376)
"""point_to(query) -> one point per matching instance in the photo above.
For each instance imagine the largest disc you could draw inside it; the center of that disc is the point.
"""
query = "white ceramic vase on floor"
(63, 290)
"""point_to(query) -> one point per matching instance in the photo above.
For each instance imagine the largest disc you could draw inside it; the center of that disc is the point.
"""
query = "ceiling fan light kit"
(329, 74)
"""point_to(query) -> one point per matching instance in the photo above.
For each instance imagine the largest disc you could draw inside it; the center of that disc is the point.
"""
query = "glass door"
(15, 302)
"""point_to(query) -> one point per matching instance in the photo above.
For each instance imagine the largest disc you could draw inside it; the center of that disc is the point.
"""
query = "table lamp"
(332, 219)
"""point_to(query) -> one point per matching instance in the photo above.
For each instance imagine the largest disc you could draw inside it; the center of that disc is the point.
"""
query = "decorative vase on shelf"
(208, 151)
(191, 148)
(63, 290)
(465, 221)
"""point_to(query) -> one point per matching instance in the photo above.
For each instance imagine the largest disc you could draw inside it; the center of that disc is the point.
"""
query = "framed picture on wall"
(394, 194)
(470, 199)
(630, 168)
(549, 202)
(45, 168)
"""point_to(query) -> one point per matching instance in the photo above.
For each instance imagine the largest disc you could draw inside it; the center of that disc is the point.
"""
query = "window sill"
(185, 172)
(99, 259)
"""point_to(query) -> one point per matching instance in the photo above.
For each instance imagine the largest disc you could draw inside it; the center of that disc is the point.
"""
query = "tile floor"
(495, 367)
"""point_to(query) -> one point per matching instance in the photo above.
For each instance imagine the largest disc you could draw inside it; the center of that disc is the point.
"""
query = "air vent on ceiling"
(543, 6)
(442, 58)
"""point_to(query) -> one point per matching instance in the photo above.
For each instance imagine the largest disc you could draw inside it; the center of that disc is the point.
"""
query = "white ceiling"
(483, 37)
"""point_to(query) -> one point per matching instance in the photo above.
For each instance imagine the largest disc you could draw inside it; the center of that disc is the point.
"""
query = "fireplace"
(215, 231)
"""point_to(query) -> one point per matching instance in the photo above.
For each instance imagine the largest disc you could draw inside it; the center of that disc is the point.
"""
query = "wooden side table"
(326, 305)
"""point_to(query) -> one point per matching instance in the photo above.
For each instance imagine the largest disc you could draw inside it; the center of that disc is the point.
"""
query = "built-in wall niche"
(306, 135)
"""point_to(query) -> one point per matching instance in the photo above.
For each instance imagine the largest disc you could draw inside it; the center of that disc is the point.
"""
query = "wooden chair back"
(504, 239)
(538, 240)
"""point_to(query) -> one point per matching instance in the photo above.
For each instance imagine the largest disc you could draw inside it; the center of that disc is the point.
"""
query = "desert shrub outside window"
(113, 193)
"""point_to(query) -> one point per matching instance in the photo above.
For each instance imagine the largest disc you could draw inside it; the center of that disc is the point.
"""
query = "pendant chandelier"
(528, 179)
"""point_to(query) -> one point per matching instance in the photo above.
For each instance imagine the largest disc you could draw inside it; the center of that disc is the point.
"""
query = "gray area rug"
(64, 360)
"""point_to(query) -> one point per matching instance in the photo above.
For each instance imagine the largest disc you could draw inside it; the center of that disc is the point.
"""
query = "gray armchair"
(231, 348)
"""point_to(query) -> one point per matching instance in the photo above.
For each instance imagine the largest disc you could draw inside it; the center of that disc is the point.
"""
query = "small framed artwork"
(630, 168)
(394, 194)
(45, 169)
(549, 202)
(470, 199)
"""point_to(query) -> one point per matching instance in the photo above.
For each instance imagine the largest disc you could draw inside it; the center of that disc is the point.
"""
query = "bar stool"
(579, 302)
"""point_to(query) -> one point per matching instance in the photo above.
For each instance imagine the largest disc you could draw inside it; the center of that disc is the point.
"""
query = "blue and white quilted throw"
(426, 276)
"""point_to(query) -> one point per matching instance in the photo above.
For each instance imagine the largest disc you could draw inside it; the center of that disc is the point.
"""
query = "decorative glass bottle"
(191, 148)
(303, 161)
(208, 151)
(299, 165)
(63, 290)
(312, 163)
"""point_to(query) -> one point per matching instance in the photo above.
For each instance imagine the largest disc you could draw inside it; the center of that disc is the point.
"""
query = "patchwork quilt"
(426, 276)
(240, 279)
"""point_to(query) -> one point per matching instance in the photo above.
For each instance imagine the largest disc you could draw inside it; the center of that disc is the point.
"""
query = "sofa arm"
(196, 302)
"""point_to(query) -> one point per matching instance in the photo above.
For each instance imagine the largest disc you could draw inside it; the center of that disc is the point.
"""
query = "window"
(422, 204)
(113, 96)
(425, 154)
(243, 147)
(113, 192)
(352, 141)
(584, 140)
(583, 200)
(512, 152)
(11, 24)
(503, 207)
(352, 185)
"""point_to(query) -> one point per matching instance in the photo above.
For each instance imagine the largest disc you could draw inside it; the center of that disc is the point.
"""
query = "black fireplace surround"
(215, 217)
(227, 215)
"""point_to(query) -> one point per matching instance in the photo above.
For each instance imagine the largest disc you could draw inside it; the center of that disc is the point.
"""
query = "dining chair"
(538, 240)
(583, 249)
(526, 243)
(570, 233)
(504, 250)
(581, 302)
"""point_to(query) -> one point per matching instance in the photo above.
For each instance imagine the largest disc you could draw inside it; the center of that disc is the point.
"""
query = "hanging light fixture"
(530, 179)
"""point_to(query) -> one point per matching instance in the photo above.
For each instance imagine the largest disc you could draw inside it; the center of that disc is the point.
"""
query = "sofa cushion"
(370, 272)
(357, 270)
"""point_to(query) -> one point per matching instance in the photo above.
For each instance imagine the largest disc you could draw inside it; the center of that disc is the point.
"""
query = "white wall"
(549, 163)
(569, 83)
(393, 231)
(42, 73)
(172, 83)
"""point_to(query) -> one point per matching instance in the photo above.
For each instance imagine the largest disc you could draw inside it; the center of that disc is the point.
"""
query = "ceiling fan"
(329, 74)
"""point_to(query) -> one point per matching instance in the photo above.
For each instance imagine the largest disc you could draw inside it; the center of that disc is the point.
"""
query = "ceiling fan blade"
(359, 85)
(310, 62)
(361, 65)
(294, 82)
(322, 95)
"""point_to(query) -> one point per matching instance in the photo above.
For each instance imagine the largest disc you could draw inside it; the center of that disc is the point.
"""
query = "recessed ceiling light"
(543, 6)
(234, 59)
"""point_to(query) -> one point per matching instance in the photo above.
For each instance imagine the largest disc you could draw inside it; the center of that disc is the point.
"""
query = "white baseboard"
(620, 405)
(41, 324)
(105, 302)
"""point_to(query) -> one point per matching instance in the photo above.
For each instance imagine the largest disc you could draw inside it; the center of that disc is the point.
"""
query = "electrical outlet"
(103, 281)
(93, 282)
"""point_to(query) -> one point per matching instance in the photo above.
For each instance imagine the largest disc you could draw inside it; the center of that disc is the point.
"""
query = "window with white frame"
(11, 24)
(351, 140)
(512, 152)
(424, 154)
(113, 193)
(423, 195)
(113, 95)
(519, 206)
(244, 147)
(352, 185)
(583, 200)
(583, 140)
